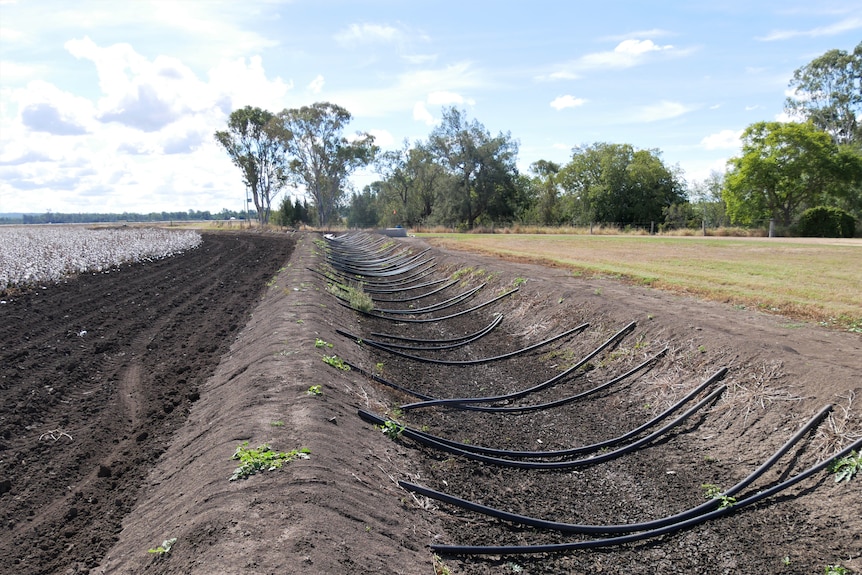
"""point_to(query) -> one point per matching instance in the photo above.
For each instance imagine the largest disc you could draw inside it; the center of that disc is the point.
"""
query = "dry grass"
(802, 279)
(840, 428)
(754, 393)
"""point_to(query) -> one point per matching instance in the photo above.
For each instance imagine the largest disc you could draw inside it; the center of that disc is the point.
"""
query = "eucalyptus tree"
(255, 145)
(618, 184)
(320, 157)
(546, 191)
(828, 92)
(483, 170)
(784, 168)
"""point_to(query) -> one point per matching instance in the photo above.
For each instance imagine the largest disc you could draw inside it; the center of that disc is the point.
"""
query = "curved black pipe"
(433, 319)
(585, 448)
(417, 297)
(479, 361)
(433, 341)
(622, 527)
(434, 307)
(461, 342)
(562, 401)
(630, 538)
(459, 402)
(606, 456)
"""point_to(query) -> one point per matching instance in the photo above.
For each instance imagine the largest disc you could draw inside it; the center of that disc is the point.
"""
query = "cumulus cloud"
(626, 54)
(663, 110)
(421, 113)
(840, 27)
(143, 109)
(723, 140)
(316, 85)
(47, 118)
(367, 33)
(567, 101)
(447, 98)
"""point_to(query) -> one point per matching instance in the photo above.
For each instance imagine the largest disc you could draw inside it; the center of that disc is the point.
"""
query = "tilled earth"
(117, 428)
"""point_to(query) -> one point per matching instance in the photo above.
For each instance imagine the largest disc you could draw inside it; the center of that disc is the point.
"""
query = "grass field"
(809, 279)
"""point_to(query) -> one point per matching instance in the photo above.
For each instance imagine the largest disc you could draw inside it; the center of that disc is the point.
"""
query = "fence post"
(772, 228)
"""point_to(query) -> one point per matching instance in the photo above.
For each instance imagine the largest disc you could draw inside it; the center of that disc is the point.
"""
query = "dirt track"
(131, 402)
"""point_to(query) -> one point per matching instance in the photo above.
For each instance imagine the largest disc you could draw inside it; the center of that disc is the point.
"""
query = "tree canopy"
(784, 167)
(321, 158)
(616, 183)
(256, 146)
(483, 169)
(828, 92)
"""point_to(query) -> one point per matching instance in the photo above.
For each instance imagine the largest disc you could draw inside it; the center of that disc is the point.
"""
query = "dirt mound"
(341, 510)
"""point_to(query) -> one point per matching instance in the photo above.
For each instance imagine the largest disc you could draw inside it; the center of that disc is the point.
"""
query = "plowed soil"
(124, 396)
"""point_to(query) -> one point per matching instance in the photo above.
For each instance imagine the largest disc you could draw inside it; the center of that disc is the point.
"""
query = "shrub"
(826, 222)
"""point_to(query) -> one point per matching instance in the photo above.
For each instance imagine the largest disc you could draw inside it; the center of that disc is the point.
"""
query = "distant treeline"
(92, 218)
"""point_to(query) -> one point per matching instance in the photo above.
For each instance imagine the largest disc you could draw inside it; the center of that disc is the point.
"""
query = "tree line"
(463, 176)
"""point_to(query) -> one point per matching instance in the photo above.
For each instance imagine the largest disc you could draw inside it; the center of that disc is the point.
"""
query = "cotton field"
(38, 254)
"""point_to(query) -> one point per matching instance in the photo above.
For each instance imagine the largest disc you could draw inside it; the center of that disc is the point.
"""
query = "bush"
(826, 222)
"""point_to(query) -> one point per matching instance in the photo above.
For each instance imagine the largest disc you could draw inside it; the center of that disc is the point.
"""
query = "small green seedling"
(277, 423)
(835, 570)
(519, 281)
(263, 459)
(712, 491)
(392, 430)
(314, 390)
(164, 548)
(321, 343)
(846, 467)
(336, 362)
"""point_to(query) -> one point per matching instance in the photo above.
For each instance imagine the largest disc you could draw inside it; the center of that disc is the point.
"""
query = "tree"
(320, 157)
(828, 92)
(784, 167)
(546, 191)
(615, 183)
(706, 200)
(363, 211)
(256, 147)
(483, 169)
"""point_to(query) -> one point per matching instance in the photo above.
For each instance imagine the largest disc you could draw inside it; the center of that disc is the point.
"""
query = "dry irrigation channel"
(537, 445)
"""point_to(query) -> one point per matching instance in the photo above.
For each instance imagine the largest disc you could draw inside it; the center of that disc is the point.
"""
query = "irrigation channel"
(414, 314)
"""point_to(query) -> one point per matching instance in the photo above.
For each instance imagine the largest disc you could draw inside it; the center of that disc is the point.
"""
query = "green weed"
(336, 362)
(321, 343)
(712, 491)
(164, 548)
(263, 459)
(392, 430)
(846, 467)
(315, 390)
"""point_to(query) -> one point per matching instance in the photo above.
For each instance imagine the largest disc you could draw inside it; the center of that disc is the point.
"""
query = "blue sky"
(110, 106)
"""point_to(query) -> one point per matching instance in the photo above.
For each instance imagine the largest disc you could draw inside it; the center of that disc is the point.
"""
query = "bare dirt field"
(114, 440)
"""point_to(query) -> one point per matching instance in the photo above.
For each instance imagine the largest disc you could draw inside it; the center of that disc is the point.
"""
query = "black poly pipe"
(622, 527)
(479, 361)
(606, 456)
(673, 528)
(460, 402)
(585, 448)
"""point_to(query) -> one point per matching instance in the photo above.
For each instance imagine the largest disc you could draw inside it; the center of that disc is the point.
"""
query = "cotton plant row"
(39, 254)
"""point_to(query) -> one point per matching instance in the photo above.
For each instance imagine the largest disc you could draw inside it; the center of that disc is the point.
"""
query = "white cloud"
(446, 98)
(626, 54)
(316, 85)
(382, 138)
(840, 27)
(421, 113)
(723, 140)
(663, 110)
(567, 101)
(367, 33)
